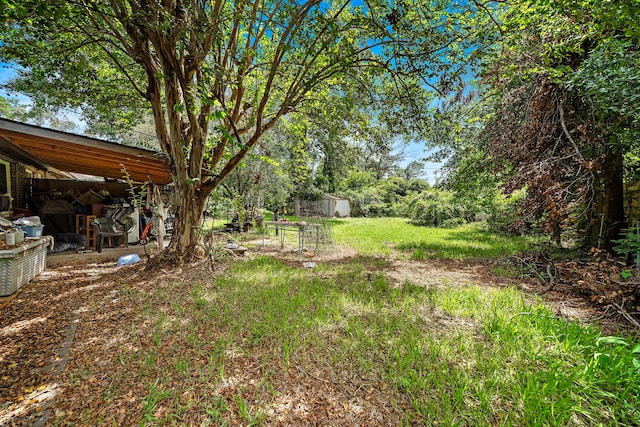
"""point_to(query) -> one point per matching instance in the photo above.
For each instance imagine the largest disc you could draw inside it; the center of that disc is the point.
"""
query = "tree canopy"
(217, 75)
(557, 112)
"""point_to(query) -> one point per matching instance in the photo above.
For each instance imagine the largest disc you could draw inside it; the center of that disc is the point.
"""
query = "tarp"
(55, 206)
(57, 216)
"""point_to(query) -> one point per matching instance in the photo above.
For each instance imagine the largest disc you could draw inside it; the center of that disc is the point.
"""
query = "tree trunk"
(296, 205)
(611, 200)
(556, 232)
(187, 224)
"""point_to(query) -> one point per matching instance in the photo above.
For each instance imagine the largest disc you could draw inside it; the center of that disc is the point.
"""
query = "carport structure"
(56, 151)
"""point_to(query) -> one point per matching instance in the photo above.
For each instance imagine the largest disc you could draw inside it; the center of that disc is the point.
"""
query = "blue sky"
(418, 151)
(6, 72)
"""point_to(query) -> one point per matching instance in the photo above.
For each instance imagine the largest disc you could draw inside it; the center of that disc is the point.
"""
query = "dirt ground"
(53, 321)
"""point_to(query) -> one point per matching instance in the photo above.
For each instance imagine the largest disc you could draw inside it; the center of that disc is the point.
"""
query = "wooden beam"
(59, 153)
(85, 151)
(76, 153)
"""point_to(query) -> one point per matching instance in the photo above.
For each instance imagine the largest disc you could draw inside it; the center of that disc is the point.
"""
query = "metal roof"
(55, 150)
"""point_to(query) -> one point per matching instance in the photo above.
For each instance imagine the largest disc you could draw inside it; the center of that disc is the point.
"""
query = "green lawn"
(381, 236)
(237, 343)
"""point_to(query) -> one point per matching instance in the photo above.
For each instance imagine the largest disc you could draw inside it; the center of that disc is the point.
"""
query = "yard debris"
(603, 280)
(234, 249)
(128, 259)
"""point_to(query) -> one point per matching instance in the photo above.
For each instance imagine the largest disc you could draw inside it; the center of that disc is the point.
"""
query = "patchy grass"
(383, 235)
(262, 341)
(338, 344)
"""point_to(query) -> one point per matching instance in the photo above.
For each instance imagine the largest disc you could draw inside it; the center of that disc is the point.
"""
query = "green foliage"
(365, 202)
(394, 189)
(262, 179)
(357, 180)
(610, 77)
(436, 208)
(426, 206)
(562, 80)
(377, 198)
(239, 208)
(298, 165)
(137, 193)
(626, 274)
(629, 244)
(505, 211)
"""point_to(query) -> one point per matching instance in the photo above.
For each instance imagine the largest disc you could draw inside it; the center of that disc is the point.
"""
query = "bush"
(365, 202)
(383, 198)
(435, 208)
(505, 211)
(357, 180)
(453, 222)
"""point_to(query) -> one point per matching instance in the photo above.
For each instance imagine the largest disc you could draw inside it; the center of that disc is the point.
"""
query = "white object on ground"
(128, 259)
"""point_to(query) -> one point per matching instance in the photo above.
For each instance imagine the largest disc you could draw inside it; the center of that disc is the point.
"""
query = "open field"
(374, 334)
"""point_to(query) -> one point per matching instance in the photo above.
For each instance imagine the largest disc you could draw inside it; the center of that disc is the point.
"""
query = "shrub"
(505, 211)
(356, 180)
(453, 222)
(629, 244)
(365, 202)
(435, 208)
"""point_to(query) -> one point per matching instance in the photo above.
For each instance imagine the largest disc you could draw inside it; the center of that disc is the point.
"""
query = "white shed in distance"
(329, 206)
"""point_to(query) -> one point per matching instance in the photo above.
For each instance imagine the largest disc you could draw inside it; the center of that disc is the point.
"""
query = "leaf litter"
(69, 338)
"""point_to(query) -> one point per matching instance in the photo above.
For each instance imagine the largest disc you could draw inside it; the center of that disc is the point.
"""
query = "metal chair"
(107, 227)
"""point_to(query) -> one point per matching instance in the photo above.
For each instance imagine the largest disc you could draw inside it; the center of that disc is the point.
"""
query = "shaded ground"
(77, 314)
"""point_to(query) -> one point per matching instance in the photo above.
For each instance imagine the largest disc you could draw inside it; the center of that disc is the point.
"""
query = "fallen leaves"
(35, 326)
(603, 281)
(101, 385)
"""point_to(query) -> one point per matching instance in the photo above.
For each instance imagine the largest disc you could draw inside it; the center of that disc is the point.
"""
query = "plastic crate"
(21, 264)
(33, 230)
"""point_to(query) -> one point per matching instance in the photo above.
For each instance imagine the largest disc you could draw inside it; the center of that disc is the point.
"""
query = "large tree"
(217, 74)
(563, 80)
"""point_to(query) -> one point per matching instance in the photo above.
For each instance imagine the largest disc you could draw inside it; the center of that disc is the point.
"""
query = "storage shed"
(336, 206)
(328, 206)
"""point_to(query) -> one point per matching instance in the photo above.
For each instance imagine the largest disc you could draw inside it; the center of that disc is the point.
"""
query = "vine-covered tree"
(564, 112)
(218, 74)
